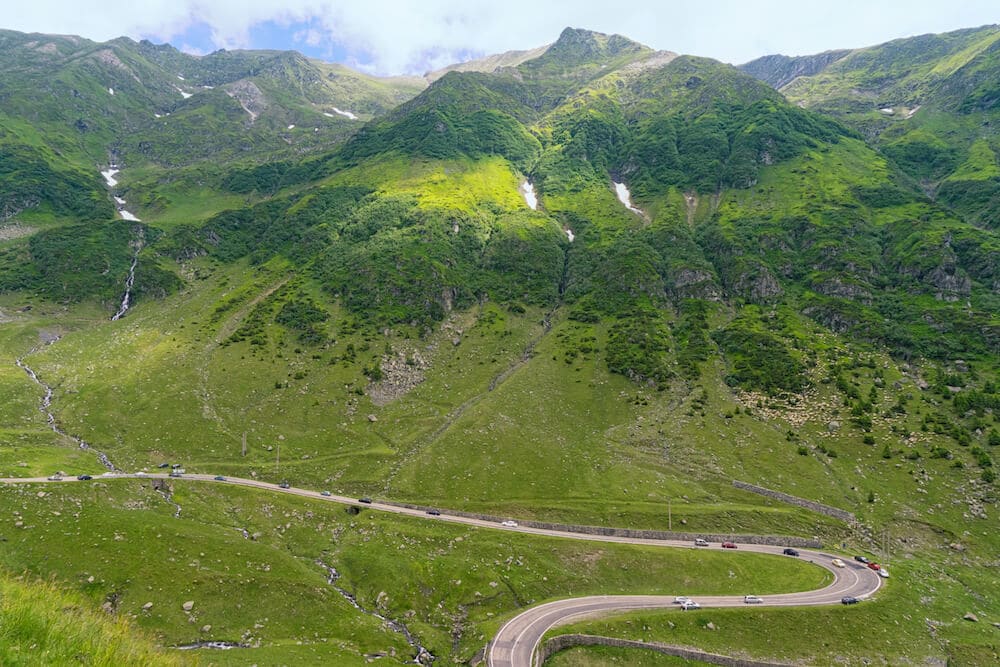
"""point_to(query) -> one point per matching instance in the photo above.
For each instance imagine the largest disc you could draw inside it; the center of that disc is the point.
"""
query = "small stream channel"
(424, 657)
(137, 243)
(51, 418)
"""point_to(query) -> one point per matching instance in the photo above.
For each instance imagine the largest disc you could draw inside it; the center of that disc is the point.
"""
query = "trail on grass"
(457, 413)
(228, 327)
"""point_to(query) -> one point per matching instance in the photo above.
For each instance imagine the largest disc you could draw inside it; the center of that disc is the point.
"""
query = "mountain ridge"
(581, 288)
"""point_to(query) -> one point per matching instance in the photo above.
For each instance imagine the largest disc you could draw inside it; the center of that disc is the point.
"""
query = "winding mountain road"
(516, 642)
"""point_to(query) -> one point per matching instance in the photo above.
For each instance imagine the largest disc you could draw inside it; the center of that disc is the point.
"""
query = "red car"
(874, 566)
(728, 545)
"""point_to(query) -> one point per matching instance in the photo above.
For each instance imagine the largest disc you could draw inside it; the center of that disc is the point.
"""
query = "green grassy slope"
(784, 306)
(43, 624)
(929, 103)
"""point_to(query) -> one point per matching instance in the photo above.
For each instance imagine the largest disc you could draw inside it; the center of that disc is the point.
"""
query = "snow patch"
(530, 198)
(119, 200)
(156, 115)
(109, 177)
(345, 114)
(291, 127)
(180, 77)
(570, 235)
(209, 87)
(909, 114)
(625, 197)
(128, 216)
(887, 111)
(183, 94)
(111, 91)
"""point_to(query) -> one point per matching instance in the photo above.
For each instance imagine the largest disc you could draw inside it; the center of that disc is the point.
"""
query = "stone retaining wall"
(556, 644)
(773, 540)
(836, 513)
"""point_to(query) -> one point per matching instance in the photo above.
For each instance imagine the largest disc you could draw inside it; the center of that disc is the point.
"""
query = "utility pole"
(670, 515)
(277, 460)
(244, 450)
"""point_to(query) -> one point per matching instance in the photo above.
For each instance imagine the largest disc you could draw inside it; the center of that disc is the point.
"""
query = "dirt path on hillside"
(461, 409)
(229, 326)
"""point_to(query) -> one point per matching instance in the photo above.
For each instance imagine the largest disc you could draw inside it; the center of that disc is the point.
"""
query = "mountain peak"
(583, 44)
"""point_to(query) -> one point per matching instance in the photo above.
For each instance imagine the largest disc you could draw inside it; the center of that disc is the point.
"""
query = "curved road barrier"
(556, 644)
(516, 644)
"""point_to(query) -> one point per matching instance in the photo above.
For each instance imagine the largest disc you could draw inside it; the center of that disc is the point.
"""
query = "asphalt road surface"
(516, 642)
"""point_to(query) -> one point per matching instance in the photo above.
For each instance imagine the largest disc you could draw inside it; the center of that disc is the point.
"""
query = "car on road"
(176, 473)
(140, 474)
(55, 478)
(874, 566)
(84, 478)
(861, 559)
(752, 599)
(849, 600)
(366, 500)
(434, 512)
(219, 478)
(690, 604)
(509, 524)
(729, 545)
(325, 493)
(681, 599)
(284, 485)
(790, 552)
(838, 563)
(701, 542)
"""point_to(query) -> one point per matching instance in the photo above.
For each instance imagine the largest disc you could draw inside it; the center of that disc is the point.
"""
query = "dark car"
(84, 478)
(175, 465)
(163, 465)
(325, 493)
(861, 559)
(434, 512)
(220, 478)
(728, 545)
(849, 600)
(365, 500)
(285, 485)
(790, 552)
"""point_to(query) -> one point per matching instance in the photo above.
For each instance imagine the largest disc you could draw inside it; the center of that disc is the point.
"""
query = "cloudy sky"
(398, 36)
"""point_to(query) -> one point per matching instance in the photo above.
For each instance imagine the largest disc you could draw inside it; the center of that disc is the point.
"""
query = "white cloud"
(393, 36)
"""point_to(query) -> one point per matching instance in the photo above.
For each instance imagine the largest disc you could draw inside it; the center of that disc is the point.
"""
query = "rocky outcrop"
(249, 96)
(758, 285)
(950, 282)
(778, 71)
(839, 287)
(696, 284)
(401, 372)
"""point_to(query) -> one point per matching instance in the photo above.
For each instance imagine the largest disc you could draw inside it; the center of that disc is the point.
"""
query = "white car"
(752, 599)
(690, 604)
(509, 524)
(838, 563)
(701, 542)
(884, 573)
(681, 599)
